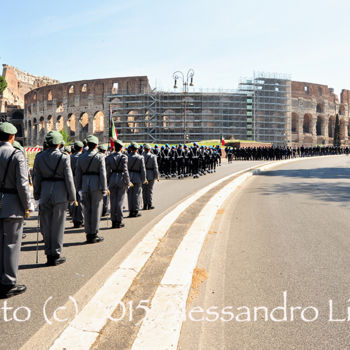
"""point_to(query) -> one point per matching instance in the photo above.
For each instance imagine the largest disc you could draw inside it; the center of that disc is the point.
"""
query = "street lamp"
(185, 83)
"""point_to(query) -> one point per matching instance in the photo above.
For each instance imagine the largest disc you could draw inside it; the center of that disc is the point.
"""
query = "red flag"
(223, 143)
(113, 134)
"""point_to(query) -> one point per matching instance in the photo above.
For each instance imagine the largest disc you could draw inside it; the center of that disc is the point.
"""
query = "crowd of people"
(278, 153)
(87, 178)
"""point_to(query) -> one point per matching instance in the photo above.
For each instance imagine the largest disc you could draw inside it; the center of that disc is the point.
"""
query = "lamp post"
(185, 83)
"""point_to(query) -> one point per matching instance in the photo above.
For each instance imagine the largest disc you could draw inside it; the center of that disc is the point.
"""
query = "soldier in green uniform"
(137, 172)
(54, 189)
(14, 204)
(118, 182)
(91, 181)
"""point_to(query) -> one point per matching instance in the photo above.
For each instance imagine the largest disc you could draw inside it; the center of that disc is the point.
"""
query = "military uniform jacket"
(151, 166)
(90, 172)
(57, 189)
(137, 170)
(73, 160)
(14, 204)
(117, 170)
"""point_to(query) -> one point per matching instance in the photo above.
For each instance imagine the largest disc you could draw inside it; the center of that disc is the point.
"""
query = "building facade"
(267, 108)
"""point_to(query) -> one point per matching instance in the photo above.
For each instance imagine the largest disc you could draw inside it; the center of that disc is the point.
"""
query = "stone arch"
(169, 119)
(207, 118)
(319, 108)
(71, 124)
(320, 126)
(84, 125)
(295, 123)
(331, 126)
(71, 89)
(42, 126)
(49, 124)
(49, 96)
(59, 123)
(341, 109)
(131, 122)
(307, 124)
(98, 124)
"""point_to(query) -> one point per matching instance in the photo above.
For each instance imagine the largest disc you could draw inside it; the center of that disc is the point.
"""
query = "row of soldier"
(278, 153)
(181, 160)
(80, 181)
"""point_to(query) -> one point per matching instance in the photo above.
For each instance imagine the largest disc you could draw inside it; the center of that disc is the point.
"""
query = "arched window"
(71, 89)
(49, 96)
(84, 88)
(98, 122)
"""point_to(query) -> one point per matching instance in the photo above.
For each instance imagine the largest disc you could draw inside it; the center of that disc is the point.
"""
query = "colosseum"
(267, 108)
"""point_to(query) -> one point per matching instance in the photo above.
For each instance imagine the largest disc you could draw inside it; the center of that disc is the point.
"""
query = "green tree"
(66, 137)
(336, 139)
(3, 84)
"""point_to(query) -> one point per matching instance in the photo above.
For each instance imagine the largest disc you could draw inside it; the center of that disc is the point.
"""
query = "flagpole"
(109, 126)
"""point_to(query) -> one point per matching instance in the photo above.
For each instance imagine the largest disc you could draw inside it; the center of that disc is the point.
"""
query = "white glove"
(37, 202)
(31, 206)
(80, 194)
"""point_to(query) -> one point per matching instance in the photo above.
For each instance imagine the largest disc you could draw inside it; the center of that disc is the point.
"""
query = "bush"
(3, 84)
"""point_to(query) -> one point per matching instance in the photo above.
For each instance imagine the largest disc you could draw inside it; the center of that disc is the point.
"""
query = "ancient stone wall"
(80, 107)
(18, 84)
(314, 107)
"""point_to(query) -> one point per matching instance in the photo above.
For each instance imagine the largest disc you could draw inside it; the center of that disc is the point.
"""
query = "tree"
(3, 84)
(66, 137)
(336, 140)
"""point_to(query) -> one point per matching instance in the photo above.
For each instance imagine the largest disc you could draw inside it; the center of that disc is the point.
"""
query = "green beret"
(67, 149)
(134, 145)
(17, 145)
(53, 138)
(8, 128)
(102, 147)
(63, 143)
(147, 146)
(78, 144)
(118, 142)
(92, 139)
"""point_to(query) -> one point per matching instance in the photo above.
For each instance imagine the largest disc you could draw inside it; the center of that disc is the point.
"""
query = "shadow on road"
(31, 266)
(319, 173)
(338, 192)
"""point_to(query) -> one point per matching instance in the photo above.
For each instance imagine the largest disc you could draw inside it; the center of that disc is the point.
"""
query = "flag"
(113, 135)
(223, 143)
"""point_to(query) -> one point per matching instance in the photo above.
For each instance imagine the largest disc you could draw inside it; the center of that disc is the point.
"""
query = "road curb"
(158, 332)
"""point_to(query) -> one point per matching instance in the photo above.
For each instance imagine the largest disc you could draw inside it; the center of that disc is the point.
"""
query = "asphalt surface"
(285, 231)
(83, 270)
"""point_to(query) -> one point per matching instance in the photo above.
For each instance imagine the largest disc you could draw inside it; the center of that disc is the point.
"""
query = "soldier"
(152, 174)
(14, 205)
(137, 172)
(195, 154)
(77, 210)
(118, 182)
(187, 160)
(53, 188)
(91, 184)
(103, 150)
(180, 162)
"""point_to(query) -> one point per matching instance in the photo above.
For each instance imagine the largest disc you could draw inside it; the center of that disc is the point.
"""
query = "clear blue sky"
(221, 40)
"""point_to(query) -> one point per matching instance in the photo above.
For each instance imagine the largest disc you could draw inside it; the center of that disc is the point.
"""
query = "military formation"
(86, 179)
(279, 153)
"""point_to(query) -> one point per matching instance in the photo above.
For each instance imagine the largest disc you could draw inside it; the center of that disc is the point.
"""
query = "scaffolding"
(269, 97)
(158, 116)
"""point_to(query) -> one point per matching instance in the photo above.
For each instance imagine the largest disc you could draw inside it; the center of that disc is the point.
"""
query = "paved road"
(84, 261)
(287, 229)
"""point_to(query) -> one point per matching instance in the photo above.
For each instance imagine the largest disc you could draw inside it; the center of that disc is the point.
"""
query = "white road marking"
(84, 329)
(160, 329)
